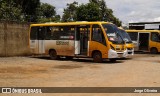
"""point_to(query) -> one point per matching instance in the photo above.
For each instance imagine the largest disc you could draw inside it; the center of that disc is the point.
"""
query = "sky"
(128, 11)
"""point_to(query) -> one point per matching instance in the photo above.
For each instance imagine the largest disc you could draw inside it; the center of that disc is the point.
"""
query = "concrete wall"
(13, 38)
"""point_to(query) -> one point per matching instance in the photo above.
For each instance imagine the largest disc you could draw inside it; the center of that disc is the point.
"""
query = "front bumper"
(114, 54)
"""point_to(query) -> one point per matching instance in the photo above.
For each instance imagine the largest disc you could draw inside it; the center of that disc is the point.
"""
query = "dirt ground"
(141, 70)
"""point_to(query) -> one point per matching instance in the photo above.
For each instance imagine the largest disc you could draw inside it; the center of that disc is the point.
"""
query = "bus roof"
(69, 23)
(142, 30)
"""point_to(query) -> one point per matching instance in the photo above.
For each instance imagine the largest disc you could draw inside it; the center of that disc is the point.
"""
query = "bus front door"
(143, 41)
(41, 40)
(82, 37)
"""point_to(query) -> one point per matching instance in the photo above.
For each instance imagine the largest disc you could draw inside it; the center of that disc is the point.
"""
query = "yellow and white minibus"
(97, 40)
(145, 40)
(127, 39)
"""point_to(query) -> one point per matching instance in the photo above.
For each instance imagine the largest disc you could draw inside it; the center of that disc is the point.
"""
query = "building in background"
(145, 25)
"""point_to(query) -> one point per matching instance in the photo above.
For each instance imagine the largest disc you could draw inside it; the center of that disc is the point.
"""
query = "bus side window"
(33, 33)
(133, 36)
(41, 33)
(61, 32)
(97, 34)
(48, 33)
(69, 32)
(155, 37)
(55, 33)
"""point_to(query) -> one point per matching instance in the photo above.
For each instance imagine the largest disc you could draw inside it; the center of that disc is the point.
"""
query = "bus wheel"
(53, 55)
(154, 50)
(112, 60)
(97, 57)
(69, 57)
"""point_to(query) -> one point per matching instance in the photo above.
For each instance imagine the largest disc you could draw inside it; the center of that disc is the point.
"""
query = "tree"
(29, 9)
(88, 12)
(95, 10)
(94, 1)
(47, 10)
(57, 18)
(47, 13)
(8, 11)
(106, 14)
(69, 13)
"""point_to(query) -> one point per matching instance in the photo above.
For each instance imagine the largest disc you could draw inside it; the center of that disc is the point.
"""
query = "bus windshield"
(112, 32)
(125, 36)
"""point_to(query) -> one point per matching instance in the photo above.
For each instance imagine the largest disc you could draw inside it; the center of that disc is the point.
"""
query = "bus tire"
(97, 57)
(153, 50)
(53, 55)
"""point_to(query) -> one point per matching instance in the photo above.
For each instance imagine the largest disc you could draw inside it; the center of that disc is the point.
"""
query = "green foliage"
(34, 11)
(88, 12)
(94, 1)
(47, 13)
(56, 18)
(69, 13)
(95, 10)
(8, 11)
(29, 9)
(47, 10)
(19, 10)
(107, 14)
